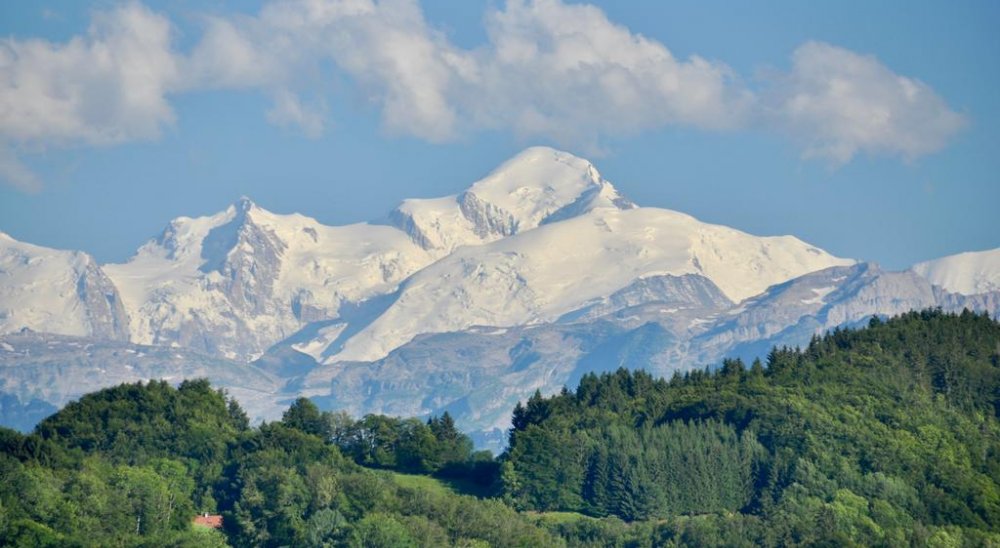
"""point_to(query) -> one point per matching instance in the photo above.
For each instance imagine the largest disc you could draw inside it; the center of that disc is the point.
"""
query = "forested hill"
(885, 436)
(133, 465)
(882, 436)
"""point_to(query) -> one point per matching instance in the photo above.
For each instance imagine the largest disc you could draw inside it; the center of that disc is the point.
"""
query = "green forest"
(882, 436)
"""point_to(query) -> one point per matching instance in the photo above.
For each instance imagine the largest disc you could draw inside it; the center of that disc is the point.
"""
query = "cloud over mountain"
(549, 70)
(840, 103)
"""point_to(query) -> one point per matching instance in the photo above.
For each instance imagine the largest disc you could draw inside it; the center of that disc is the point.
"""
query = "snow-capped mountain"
(64, 292)
(534, 275)
(966, 273)
(540, 236)
(234, 283)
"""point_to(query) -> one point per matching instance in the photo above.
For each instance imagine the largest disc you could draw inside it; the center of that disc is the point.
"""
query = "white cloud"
(840, 103)
(548, 70)
(290, 110)
(106, 87)
(387, 49)
(568, 73)
(15, 173)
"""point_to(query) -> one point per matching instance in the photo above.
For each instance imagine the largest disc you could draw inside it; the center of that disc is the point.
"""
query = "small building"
(209, 520)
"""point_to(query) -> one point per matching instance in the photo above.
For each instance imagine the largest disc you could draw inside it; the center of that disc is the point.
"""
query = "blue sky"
(871, 129)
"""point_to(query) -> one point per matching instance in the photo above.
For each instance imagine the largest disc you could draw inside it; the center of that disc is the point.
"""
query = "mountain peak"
(242, 228)
(540, 169)
(542, 184)
(244, 205)
(539, 185)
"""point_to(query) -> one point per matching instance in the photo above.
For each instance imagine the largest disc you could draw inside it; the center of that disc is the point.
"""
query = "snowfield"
(966, 273)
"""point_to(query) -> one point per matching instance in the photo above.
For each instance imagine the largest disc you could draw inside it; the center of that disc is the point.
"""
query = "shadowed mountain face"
(531, 277)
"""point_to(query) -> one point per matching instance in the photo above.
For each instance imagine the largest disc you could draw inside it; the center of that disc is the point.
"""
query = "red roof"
(209, 520)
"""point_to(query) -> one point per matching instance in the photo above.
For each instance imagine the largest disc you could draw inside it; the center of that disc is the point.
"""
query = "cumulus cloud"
(109, 86)
(566, 72)
(840, 103)
(290, 110)
(551, 70)
(15, 173)
(395, 60)
(547, 70)
(106, 87)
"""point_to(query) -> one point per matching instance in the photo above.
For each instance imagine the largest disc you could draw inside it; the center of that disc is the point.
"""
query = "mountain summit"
(540, 185)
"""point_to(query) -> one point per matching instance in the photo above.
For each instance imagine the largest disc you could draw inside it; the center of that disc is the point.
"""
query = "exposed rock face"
(989, 302)
(489, 222)
(828, 298)
(670, 294)
(404, 220)
(248, 256)
(791, 313)
(102, 305)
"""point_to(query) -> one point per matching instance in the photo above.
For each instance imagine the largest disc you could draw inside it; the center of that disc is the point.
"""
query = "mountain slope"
(58, 291)
(541, 274)
(234, 283)
(966, 273)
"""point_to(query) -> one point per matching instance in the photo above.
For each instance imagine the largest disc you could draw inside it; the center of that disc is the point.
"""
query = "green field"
(440, 485)
(423, 483)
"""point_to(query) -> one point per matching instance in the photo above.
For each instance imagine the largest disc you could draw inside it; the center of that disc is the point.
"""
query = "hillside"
(888, 435)
(883, 436)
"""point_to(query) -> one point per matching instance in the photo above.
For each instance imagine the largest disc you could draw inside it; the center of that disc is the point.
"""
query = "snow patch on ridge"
(969, 273)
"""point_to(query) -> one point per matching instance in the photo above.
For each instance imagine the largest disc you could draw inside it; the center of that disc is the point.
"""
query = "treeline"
(885, 436)
(128, 465)
(377, 441)
(434, 447)
(132, 466)
(882, 436)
